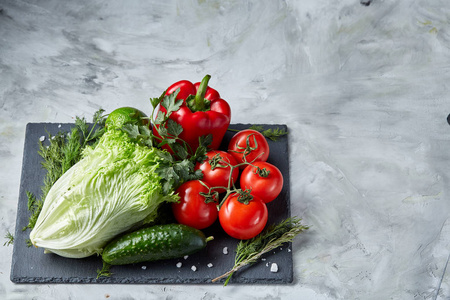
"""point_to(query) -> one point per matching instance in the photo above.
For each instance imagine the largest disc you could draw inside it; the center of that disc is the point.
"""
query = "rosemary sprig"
(249, 251)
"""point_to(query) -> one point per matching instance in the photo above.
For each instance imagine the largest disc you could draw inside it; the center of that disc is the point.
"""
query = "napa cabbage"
(114, 187)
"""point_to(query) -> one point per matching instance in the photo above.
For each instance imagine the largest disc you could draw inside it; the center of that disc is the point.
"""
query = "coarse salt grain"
(186, 257)
(210, 265)
(274, 268)
(179, 265)
(144, 267)
(225, 250)
(194, 268)
(42, 138)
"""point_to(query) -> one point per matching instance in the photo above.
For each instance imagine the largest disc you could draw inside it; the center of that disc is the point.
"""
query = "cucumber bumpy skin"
(154, 243)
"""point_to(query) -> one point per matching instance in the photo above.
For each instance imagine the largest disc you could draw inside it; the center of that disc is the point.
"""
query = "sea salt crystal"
(263, 259)
(210, 265)
(144, 267)
(194, 268)
(289, 250)
(179, 264)
(274, 268)
(186, 257)
(225, 250)
(59, 126)
(42, 138)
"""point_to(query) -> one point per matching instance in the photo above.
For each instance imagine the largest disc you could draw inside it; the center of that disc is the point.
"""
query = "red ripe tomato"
(240, 220)
(216, 169)
(194, 209)
(263, 179)
(250, 145)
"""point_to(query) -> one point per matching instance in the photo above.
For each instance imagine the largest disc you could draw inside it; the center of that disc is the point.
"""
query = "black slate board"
(31, 265)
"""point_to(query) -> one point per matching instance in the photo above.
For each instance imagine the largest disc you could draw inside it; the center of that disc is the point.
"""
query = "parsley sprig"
(176, 166)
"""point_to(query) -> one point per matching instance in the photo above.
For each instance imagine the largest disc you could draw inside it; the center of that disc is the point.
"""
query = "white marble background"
(363, 89)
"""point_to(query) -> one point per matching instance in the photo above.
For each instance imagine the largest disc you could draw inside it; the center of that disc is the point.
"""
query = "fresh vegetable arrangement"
(107, 183)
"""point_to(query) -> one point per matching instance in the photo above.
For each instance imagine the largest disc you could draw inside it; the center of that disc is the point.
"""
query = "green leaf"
(145, 130)
(170, 103)
(204, 142)
(156, 101)
(160, 118)
(131, 130)
(163, 132)
(140, 134)
(180, 151)
(165, 156)
(173, 128)
(175, 172)
(183, 168)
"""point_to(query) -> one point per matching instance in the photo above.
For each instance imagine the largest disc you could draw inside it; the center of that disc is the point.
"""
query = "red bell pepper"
(203, 112)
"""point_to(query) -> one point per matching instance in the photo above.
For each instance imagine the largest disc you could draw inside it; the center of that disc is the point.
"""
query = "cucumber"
(154, 243)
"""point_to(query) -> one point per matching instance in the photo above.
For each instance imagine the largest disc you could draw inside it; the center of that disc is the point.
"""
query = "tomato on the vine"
(196, 208)
(217, 169)
(243, 216)
(263, 179)
(249, 146)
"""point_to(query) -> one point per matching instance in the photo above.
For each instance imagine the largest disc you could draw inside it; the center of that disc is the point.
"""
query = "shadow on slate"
(31, 265)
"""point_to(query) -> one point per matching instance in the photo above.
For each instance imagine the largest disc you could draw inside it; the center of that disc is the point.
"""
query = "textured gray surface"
(364, 90)
(31, 265)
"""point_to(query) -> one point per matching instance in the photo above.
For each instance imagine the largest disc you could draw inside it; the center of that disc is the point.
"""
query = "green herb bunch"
(250, 251)
(62, 152)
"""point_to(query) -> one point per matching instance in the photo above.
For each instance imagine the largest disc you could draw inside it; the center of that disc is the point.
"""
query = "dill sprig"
(9, 239)
(34, 206)
(63, 151)
(249, 251)
(105, 271)
(272, 133)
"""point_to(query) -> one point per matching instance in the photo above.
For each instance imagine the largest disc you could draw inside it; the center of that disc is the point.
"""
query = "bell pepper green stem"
(199, 103)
